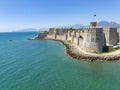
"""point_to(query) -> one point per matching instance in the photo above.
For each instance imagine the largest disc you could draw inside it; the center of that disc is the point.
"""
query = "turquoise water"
(44, 65)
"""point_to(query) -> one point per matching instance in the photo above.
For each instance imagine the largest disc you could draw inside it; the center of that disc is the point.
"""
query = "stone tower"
(93, 40)
(111, 36)
(53, 33)
(93, 24)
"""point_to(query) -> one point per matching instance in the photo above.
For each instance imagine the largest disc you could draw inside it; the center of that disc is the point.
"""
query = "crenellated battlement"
(89, 39)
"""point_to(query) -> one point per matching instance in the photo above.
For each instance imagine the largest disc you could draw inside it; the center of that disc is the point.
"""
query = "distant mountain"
(108, 24)
(101, 23)
(76, 26)
(26, 30)
(30, 30)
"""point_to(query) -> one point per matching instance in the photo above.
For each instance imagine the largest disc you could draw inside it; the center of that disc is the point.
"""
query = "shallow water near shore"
(44, 65)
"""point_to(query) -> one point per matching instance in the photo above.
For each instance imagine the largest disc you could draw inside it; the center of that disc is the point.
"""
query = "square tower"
(93, 40)
(111, 35)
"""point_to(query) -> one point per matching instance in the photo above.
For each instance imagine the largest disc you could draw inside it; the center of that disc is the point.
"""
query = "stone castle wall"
(42, 35)
(111, 35)
(61, 37)
(51, 36)
(58, 31)
(76, 40)
(91, 39)
(81, 43)
(118, 31)
(70, 37)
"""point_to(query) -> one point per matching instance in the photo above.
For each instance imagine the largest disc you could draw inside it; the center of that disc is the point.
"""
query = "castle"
(90, 39)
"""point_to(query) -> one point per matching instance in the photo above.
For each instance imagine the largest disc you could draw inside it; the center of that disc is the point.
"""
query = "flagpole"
(93, 23)
(94, 17)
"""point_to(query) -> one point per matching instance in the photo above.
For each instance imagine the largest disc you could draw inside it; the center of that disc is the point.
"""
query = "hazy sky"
(19, 14)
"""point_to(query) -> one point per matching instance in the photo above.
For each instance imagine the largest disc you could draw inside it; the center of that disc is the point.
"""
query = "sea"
(44, 65)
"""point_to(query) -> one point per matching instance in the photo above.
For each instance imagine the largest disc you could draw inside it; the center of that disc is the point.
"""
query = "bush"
(69, 41)
(110, 49)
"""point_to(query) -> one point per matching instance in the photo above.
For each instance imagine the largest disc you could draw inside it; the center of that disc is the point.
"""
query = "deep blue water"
(44, 65)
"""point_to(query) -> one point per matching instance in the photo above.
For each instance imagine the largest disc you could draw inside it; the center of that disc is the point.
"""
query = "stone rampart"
(111, 35)
(90, 39)
(76, 40)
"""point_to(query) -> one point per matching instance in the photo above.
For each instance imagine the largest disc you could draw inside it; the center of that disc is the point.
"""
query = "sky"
(20, 14)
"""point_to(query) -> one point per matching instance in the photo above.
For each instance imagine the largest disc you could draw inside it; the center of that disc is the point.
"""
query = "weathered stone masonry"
(90, 39)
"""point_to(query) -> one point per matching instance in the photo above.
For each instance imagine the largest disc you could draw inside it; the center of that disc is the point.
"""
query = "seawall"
(71, 51)
(76, 54)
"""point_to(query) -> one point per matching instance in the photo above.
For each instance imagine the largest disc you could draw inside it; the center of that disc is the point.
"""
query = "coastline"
(75, 53)
(90, 43)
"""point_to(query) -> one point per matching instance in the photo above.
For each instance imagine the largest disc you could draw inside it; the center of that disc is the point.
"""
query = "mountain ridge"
(108, 24)
(76, 26)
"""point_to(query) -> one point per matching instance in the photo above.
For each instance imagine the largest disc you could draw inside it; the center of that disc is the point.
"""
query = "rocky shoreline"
(81, 56)
(76, 54)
